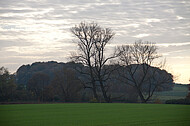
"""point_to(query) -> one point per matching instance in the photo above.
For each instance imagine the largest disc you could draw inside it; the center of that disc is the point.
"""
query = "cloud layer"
(39, 30)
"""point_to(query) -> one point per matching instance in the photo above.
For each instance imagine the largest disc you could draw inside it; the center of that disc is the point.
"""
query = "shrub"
(158, 101)
(93, 100)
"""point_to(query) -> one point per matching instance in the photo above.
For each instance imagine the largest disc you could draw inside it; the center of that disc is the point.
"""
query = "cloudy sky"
(38, 30)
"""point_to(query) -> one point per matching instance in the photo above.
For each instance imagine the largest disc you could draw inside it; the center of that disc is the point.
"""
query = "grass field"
(178, 92)
(94, 114)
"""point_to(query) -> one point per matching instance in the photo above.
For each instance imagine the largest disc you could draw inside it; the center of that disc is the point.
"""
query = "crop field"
(94, 114)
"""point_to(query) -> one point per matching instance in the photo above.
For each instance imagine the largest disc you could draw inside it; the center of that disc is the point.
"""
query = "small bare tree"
(37, 83)
(139, 73)
(66, 84)
(92, 42)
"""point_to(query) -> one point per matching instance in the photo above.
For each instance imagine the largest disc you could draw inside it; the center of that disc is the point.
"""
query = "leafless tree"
(66, 84)
(37, 84)
(92, 42)
(138, 60)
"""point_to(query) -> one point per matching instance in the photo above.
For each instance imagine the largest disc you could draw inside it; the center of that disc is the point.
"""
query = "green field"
(178, 92)
(94, 114)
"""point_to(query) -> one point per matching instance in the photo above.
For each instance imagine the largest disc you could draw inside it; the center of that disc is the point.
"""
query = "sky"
(39, 30)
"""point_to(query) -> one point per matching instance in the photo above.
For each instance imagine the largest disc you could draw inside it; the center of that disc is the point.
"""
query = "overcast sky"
(38, 30)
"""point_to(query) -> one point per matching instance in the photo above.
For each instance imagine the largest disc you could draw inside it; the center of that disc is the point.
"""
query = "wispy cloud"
(173, 44)
(141, 35)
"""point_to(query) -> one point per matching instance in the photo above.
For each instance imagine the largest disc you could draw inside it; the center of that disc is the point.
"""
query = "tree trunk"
(143, 100)
(106, 98)
(95, 92)
(93, 84)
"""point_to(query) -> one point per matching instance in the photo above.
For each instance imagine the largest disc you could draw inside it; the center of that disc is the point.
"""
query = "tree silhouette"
(139, 73)
(7, 85)
(66, 85)
(92, 40)
(37, 84)
(188, 95)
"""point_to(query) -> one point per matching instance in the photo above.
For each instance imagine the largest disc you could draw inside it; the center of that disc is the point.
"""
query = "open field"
(178, 92)
(94, 114)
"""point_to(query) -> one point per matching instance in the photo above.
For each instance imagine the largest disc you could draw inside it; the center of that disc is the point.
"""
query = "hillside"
(179, 91)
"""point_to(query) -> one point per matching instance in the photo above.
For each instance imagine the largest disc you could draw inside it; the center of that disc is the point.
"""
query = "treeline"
(62, 82)
(126, 74)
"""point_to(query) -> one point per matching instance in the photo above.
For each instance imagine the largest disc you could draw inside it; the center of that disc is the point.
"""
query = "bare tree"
(139, 73)
(92, 42)
(101, 70)
(66, 84)
(37, 84)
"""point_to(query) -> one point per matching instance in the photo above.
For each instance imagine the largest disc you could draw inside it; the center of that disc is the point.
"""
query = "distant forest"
(63, 82)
